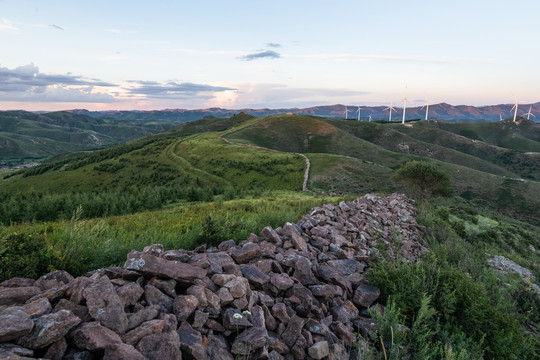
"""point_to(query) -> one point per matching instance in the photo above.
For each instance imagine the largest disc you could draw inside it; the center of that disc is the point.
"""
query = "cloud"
(274, 45)
(56, 27)
(27, 83)
(25, 77)
(6, 25)
(174, 90)
(261, 55)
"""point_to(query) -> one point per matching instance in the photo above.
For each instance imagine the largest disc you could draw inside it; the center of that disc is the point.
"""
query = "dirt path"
(306, 173)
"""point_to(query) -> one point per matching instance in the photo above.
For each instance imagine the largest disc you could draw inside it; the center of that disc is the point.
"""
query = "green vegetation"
(186, 187)
(423, 179)
(27, 137)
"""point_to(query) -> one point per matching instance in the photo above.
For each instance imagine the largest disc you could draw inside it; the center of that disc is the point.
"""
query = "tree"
(423, 179)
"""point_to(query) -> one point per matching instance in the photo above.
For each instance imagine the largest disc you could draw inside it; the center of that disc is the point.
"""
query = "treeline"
(35, 206)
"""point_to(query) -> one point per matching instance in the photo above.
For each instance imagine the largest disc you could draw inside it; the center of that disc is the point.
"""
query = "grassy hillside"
(369, 152)
(28, 136)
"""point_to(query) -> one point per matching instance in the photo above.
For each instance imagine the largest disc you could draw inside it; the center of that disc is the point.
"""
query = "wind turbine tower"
(500, 117)
(390, 108)
(358, 111)
(370, 116)
(426, 106)
(404, 101)
(346, 113)
(529, 113)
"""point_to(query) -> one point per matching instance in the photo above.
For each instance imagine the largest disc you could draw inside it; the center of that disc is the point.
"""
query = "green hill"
(28, 136)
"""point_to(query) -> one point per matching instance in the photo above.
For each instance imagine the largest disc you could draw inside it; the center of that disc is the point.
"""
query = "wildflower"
(246, 313)
(237, 316)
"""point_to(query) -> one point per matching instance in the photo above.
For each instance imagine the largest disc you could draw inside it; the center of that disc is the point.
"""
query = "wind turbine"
(500, 117)
(370, 116)
(358, 111)
(529, 113)
(404, 101)
(426, 105)
(346, 113)
(390, 108)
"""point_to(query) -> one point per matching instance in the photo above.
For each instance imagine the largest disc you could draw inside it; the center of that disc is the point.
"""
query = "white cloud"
(6, 25)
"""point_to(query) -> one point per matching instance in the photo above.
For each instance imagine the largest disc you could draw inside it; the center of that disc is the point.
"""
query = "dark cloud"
(274, 45)
(173, 90)
(261, 55)
(28, 77)
(56, 27)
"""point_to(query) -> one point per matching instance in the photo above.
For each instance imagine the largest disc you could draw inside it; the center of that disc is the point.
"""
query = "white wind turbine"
(515, 107)
(370, 116)
(426, 106)
(500, 117)
(346, 113)
(390, 108)
(529, 113)
(404, 101)
(358, 111)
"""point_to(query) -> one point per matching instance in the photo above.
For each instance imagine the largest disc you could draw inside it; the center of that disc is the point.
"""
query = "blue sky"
(185, 54)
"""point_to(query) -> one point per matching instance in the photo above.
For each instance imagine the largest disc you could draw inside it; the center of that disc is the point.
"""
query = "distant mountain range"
(442, 111)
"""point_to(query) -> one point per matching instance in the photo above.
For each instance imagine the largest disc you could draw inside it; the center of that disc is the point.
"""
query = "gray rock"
(15, 323)
(49, 329)
(14, 350)
(168, 287)
(303, 272)
(56, 350)
(298, 349)
(105, 306)
(281, 281)
(56, 279)
(232, 322)
(345, 313)
(17, 282)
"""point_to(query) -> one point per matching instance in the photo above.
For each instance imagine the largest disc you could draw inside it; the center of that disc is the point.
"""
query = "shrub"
(23, 255)
(423, 179)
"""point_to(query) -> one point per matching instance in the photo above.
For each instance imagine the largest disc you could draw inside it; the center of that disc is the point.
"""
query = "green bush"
(23, 255)
(423, 179)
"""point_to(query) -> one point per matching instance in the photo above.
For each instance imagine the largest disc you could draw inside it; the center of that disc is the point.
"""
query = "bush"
(23, 255)
(423, 179)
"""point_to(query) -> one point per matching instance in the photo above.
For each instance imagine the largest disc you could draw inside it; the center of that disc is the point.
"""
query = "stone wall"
(295, 292)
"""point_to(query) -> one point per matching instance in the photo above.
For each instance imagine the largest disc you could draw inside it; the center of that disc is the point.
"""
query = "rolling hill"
(29, 136)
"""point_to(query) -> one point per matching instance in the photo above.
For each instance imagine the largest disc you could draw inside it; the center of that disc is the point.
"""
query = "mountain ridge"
(441, 111)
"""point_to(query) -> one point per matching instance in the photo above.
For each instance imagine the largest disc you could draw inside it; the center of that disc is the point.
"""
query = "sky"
(149, 55)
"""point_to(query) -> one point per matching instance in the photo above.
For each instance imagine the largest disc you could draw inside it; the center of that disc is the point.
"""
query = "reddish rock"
(15, 323)
(93, 336)
(147, 328)
(122, 351)
(160, 347)
(281, 281)
(319, 350)
(49, 329)
(238, 287)
(76, 289)
(249, 340)
(55, 279)
(293, 330)
(37, 308)
(254, 275)
(105, 306)
(56, 350)
(298, 350)
(247, 252)
(168, 287)
(365, 295)
(129, 294)
(167, 269)
(191, 342)
(154, 296)
(184, 305)
(79, 311)
(217, 348)
(17, 282)
(145, 314)
(17, 295)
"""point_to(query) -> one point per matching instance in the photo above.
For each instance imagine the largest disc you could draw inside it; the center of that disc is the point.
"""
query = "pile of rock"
(296, 292)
